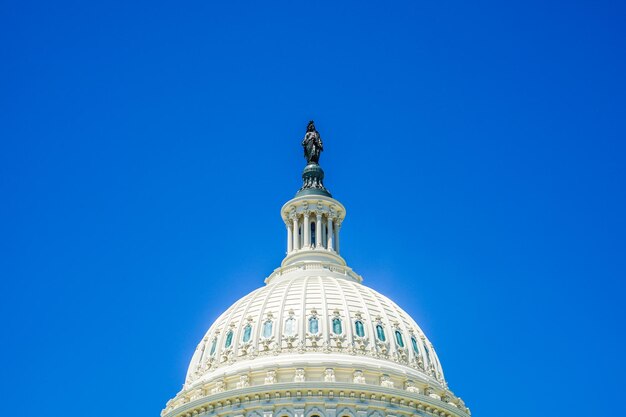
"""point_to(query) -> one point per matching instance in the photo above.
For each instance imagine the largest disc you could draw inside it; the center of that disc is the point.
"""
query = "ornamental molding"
(354, 397)
(319, 205)
(270, 377)
(311, 342)
(329, 375)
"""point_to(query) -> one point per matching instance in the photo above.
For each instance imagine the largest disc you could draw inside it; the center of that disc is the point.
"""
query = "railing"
(305, 266)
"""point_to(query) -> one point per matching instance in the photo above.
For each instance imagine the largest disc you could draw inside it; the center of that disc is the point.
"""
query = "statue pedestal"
(313, 181)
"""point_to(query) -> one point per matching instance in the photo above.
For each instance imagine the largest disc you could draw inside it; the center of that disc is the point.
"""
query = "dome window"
(290, 326)
(380, 333)
(213, 346)
(337, 327)
(267, 329)
(360, 330)
(314, 325)
(399, 339)
(229, 339)
(427, 352)
(247, 333)
(415, 348)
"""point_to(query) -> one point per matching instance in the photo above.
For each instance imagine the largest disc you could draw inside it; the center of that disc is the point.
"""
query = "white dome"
(314, 334)
(314, 309)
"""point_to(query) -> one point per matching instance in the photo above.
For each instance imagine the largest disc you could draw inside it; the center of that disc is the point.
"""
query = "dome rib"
(281, 315)
(303, 310)
(261, 319)
(385, 317)
(227, 328)
(348, 324)
(326, 329)
(243, 318)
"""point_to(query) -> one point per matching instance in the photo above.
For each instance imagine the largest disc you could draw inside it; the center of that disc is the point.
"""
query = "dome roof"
(314, 330)
(314, 312)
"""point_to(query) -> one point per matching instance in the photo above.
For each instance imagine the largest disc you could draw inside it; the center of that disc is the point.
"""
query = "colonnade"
(312, 230)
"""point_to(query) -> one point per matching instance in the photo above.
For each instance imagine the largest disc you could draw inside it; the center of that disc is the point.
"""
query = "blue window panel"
(229, 339)
(415, 348)
(290, 326)
(314, 327)
(337, 328)
(380, 332)
(360, 330)
(399, 339)
(267, 329)
(213, 346)
(247, 333)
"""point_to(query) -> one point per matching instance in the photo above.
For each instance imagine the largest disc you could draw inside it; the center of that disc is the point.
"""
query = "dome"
(315, 312)
(314, 338)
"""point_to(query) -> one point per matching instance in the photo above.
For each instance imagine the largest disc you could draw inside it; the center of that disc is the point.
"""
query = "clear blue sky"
(146, 149)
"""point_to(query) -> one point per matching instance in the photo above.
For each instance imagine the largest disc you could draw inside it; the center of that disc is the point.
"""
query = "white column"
(296, 236)
(307, 231)
(329, 245)
(337, 228)
(318, 230)
(289, 237)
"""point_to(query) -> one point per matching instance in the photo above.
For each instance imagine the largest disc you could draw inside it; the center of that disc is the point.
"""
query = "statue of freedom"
(312, 144)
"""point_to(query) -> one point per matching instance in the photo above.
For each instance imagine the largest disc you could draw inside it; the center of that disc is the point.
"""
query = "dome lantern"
(313, 218)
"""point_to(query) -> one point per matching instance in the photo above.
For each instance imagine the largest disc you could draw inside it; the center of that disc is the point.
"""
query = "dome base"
(313, 255)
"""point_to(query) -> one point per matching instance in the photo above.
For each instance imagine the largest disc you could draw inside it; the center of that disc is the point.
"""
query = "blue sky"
(146, 149)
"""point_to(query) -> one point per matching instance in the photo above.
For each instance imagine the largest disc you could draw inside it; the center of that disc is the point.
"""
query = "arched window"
(229, 339)
(427, 352)
(267, 329)
(337, 328)
(313, 236)
(290, 326)
(247, 332)
(380, 333)
(415, 348)
(360, 330)
(314, 326)
(399, 339)
(213, 346)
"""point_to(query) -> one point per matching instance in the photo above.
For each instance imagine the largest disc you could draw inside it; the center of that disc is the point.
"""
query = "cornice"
(309, 393)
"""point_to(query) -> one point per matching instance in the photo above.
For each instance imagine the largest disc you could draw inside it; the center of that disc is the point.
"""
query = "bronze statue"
(313, 174)
(312, 144)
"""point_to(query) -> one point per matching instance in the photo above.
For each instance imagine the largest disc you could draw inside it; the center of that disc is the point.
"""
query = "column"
(289, 237)
(296, 236)
(337, 228)
(329, 245)
(318, 230)
(307, 231)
